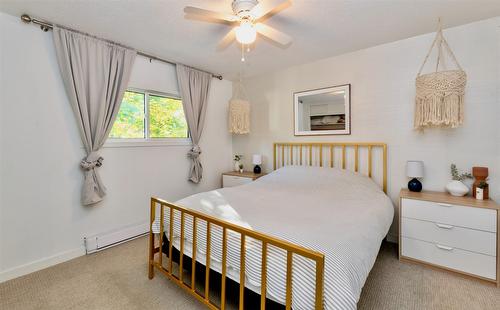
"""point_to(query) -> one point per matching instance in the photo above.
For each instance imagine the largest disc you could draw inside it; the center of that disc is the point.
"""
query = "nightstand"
(458, 234)
(235, 178)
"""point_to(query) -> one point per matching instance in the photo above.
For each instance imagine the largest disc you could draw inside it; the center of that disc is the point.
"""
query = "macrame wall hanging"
(439, 100)
(239, 112)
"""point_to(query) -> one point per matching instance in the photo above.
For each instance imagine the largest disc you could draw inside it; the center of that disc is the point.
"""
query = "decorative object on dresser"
(324, 111)
(241, 168)
(458, 234)
(257, 160)
(456, 187)
(236, 160)
(480, 175)
(230, 179)
(414, 170)
(439, 99)
(481, 191)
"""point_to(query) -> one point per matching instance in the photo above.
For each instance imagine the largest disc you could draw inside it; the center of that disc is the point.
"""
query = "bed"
(309, 231)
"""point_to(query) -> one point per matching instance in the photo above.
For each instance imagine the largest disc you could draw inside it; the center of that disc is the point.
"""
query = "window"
(166, 118)
(149, 117)
(130, 122)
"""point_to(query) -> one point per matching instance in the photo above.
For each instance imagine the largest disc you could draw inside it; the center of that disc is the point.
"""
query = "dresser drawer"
(230, 180)
(458, 237)
(475, 218)
(449, 257)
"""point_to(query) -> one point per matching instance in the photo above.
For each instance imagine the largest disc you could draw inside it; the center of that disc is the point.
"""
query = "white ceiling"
(320, 28)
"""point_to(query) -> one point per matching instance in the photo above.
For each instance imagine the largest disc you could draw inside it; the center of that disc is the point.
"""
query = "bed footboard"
(156, 257)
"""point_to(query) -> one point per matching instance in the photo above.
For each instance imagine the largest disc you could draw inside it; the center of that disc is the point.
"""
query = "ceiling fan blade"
(190, 10)
(265, 7)
(227, 40)
(273, 34)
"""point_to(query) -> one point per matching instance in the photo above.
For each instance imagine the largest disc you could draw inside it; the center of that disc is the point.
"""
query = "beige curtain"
(95, 75)
(194, 86)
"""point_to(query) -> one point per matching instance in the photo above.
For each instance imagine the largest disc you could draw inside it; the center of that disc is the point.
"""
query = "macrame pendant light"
(239, 112)
(439, 100)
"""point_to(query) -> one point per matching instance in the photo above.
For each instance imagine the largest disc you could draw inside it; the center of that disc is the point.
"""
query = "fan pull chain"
(242, 53)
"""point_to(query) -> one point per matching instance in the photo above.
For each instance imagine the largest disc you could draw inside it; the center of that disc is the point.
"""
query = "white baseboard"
(40, 264)
(115, 237)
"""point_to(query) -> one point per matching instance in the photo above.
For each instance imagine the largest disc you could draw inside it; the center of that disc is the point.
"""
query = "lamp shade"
(257, 159)
(245, 32)
(415, 168)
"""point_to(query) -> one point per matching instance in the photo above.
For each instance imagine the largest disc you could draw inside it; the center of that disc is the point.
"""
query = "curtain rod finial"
(26, 18)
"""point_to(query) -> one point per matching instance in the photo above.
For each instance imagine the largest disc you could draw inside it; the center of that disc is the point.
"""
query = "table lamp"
(414, 170)
(257, 160)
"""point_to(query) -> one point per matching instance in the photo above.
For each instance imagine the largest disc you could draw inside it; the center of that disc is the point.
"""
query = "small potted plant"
(237, 159)
(241, 168)
(482, 190)
(456, 187)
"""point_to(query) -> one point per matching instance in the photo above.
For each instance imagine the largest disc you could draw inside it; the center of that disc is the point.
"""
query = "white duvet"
(336, 212)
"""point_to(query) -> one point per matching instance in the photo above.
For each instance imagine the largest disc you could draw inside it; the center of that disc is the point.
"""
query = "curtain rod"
(46, 26)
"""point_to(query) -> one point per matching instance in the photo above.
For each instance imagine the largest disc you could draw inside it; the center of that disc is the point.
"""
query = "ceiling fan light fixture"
(246, 32)
(247, 20)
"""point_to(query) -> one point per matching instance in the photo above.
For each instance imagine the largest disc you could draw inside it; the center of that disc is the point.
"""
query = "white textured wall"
(382, 88)
(42, 217)
(2, 81)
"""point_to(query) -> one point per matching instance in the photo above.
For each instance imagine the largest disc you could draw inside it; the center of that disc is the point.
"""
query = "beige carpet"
(117, 279)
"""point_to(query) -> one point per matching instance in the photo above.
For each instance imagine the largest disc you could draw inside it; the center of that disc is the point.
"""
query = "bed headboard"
(355, 156)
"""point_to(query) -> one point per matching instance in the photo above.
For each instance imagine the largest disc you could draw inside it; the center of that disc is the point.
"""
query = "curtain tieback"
(195, 152)
(91, 161)
(93, 189)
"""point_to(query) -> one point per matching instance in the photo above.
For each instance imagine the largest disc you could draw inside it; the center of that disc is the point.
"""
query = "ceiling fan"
(247, 18)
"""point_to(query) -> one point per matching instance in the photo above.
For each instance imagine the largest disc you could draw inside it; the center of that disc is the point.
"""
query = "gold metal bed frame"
(296, 154)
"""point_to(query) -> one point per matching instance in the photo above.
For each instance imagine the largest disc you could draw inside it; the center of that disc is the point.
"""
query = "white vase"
(236, 165)
(457, 188)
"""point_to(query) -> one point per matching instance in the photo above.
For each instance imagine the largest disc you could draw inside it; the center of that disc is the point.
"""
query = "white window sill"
(112, 143)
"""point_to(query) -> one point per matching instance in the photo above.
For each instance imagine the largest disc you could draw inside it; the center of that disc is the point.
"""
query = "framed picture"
(324, 111)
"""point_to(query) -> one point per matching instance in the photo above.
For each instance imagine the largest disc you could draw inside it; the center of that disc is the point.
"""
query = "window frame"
(148, 141)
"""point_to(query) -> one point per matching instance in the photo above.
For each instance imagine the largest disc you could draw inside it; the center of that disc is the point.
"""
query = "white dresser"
(454, 233)
(235, 178)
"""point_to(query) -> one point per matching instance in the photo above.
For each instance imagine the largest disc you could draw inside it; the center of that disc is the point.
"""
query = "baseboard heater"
(103, 241)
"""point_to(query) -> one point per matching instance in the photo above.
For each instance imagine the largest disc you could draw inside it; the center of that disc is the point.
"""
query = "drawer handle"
(444, 226)
(442, 247)
(444, 204)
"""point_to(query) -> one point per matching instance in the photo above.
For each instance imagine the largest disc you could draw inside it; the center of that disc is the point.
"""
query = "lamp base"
(414, 185)
(257, 169)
